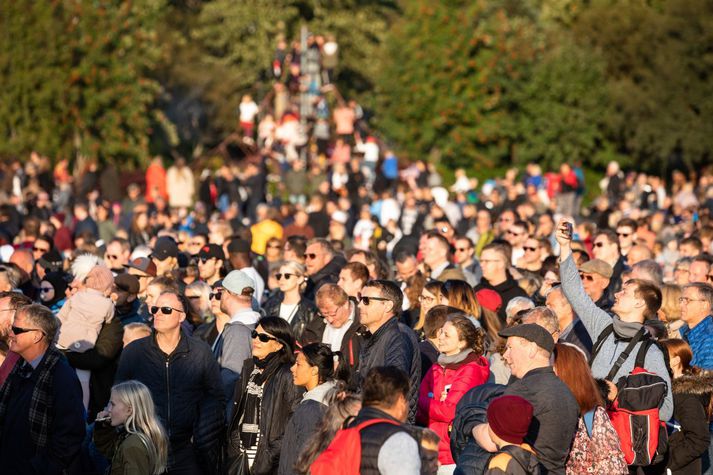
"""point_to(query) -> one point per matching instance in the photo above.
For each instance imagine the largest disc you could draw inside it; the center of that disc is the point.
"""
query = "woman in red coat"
(461, 366)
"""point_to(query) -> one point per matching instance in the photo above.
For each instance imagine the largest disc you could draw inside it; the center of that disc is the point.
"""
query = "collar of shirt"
(36, 362)
(246, 316)
(439, 270)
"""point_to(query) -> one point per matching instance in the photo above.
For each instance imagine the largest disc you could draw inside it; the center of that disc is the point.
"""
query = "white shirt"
(245, 316)
(288, 311)
(333, 336)
(248, 111)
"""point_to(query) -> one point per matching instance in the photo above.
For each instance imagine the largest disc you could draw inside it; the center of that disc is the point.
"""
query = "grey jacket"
(232, 349)
(595, 320)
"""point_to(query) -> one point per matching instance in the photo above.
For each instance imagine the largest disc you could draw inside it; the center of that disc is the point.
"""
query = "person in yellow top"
(264, 229)
(509, 419)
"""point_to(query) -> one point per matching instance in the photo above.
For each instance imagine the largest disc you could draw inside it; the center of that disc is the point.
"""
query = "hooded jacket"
(454, 379)
(691, 398)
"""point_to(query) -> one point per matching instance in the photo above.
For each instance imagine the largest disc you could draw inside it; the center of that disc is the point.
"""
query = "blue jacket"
(700, 338)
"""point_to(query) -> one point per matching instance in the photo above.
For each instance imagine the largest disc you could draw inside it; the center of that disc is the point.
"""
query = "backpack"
(596, 447)
(635, 412)
(343, 455)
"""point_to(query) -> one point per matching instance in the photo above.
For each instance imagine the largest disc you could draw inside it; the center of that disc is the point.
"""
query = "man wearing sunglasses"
(184, 380)
(386, 341)
(42, 419)
(323, 265)
(626, 233)
(210, 261)
(606, 247)
(117, 255)
(9, 303)
(596, 275)
(233, 345)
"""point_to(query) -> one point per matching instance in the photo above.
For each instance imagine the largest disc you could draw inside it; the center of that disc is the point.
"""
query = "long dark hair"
(320, 356)
(280, 329)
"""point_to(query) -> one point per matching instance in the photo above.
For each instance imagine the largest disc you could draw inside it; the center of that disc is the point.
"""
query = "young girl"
(129, 432)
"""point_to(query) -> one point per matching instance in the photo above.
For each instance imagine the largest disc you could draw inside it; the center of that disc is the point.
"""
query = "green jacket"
(128, 454)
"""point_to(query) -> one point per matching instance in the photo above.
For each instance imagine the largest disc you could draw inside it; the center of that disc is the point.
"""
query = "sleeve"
(136, 460)
(208, 431)
(235, 350)
(399, 455)
(104, 437)
(655, 363)
(424, 401)
(692, 440)
(107, 347)
(595, 319)
(465, 380)
(68, 428)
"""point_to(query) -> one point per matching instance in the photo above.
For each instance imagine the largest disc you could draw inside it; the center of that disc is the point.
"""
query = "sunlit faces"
(518, 353)
(350, 285)
(119, 411)
(463, 251)
(316, 257)
(288, 279)
(167, 323)
(407, 268)
(693, 306)
(449, 342)
(493, 264)
(208, 268)
(594, 284)
(23, 334)
(376, 311)
(335, 315)
(303, 374)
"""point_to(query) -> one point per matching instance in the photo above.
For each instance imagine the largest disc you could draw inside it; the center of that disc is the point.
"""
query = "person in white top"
(248, 111)
(338, 312)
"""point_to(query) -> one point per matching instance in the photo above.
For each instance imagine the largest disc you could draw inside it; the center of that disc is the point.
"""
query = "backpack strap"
(624, 355)
(372, 422)
(608, 330)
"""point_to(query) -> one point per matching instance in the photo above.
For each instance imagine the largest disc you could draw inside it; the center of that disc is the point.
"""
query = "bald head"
(23, 259)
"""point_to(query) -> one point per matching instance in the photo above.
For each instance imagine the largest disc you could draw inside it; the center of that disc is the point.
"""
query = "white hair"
(83, 264)
(517, 304)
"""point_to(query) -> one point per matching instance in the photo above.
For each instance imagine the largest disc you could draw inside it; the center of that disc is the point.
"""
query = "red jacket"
(438, 415)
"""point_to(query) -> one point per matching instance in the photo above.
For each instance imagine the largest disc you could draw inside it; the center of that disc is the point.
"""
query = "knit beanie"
(509, 418)
(100, 278)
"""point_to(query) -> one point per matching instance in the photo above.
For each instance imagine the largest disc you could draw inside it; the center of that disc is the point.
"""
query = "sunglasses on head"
(164, 310)
(366, 300)
(20, 331)
(310, 256)
(215, 295)
(263, 337)
(286, 275)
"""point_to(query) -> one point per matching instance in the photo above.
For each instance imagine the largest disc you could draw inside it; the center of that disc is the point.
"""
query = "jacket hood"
(319, 393)
(699, 385)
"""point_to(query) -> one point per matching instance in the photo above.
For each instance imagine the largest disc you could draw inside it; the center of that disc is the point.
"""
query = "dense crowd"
(319, 307)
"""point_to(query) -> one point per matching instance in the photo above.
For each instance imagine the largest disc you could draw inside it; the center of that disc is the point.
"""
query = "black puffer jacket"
(471, 411)
(394, 344)
(691, 398)
(186, 390)
(306, 313)
(279, 400)
(328, 274)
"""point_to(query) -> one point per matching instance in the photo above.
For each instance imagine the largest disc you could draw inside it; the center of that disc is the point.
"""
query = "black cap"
(211, 250)
(238, 245)
(128, 283)
(165, 247)
(531, 332)
(51, 261)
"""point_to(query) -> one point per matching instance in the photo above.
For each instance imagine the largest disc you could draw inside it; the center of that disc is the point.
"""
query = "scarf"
(41, 405)
(445, 360)
(625, 330)
(261, 373)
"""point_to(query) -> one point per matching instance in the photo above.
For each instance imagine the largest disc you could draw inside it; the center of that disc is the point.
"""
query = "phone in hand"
(568, 230)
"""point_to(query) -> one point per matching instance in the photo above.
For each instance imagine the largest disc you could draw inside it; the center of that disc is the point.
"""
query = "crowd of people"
(334, 311)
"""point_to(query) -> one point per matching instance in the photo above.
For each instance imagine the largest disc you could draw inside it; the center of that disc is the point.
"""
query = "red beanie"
(509, 418)
(489, 299)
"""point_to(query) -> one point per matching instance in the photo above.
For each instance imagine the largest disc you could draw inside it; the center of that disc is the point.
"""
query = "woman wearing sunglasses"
(289, 303)
(314, 371)
(52, 291)
(264, 399)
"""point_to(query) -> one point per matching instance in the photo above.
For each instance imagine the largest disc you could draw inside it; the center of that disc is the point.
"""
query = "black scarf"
(261, 373)
(41, 405)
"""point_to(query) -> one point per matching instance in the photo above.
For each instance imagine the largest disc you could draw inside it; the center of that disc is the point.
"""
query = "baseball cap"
(597, 266)
(237, 281)
(211, 250)
(127, 282)
(51, 261)
(164, 248)
(531, 332)
(143, 264)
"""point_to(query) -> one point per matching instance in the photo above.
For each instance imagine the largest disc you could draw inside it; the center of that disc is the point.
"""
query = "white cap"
(237, 281)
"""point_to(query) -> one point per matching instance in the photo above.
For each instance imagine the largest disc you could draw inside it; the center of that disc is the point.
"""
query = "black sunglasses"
(263, 337)
(215, 295)
(20, 331)
(165, 310)
(286, 275)
(365, 300)
(311, 255)
(531, 249)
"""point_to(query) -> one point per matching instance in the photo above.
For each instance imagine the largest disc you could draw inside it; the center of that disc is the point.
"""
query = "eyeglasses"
(310, 256)
(587, 277)
(531, 249)
(624, 235)
(681, 269)
(20, 331)
(686, 300)
(426, 298)
(599, 244)
(164, 310)
(365, 300)
(263, 337)
(286, 275)
(215, 295)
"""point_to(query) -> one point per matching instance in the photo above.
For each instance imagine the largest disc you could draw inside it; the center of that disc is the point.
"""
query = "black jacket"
(302, 425)
(394, 344)
(186, 390)
(305, 314)
(374, 436)
(102, 361)
(328, 274)
(507, 290)
(279, 399)
(691, 397)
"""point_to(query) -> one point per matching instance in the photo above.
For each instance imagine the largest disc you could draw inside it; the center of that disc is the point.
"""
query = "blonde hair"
(298, 269)
(670, 308)
(143, 421)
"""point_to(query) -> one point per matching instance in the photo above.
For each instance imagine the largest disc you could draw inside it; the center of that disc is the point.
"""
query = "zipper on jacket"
(168, 397)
